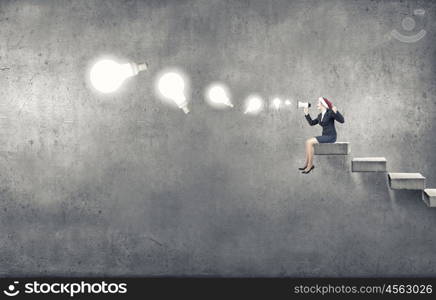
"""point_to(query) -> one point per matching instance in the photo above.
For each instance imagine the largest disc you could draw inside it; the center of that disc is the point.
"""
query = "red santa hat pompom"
(324, 102)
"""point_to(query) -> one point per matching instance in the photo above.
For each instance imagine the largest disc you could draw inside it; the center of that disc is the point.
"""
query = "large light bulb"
(172, 86)
(107, 75)
(254, 105)
(217, 95)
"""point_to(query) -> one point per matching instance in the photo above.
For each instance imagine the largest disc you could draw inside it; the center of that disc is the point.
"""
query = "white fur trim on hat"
(322, 102)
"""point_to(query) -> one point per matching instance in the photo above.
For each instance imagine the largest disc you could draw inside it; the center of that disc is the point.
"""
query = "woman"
(326, 119)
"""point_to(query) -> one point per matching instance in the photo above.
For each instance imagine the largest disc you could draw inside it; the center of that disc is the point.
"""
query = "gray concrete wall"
(125, 185)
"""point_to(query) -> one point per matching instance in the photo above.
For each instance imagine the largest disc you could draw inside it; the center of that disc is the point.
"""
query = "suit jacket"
(328, 122)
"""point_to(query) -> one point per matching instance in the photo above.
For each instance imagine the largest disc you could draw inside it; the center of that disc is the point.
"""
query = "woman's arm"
(311, 122)
(337, 115)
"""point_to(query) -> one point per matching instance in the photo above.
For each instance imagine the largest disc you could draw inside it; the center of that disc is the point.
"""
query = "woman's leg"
(309, 152)
(306, 153)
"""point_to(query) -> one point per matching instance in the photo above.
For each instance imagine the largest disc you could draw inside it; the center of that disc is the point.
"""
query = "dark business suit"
(328, 125)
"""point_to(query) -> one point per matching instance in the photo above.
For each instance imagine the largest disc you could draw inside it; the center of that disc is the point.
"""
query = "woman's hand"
(306, 110)
(334, 109)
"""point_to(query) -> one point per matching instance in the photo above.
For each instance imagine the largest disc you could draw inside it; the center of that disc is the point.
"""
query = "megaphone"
(303, 104)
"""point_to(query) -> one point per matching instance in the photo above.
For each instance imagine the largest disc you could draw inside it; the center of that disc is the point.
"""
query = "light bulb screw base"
(185, 109)
(136, 68)
(142, 67)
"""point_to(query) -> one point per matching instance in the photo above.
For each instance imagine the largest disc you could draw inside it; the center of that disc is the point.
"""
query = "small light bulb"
(217, 95)
(107, 75)
(254, 105)
(288, 102)
(172, 86)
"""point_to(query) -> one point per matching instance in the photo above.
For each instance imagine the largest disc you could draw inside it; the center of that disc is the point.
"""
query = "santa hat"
(324, 102)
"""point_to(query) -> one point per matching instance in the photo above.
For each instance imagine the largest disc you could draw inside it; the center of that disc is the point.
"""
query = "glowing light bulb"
(217, 95)
(288, 102)
(107, 75)
(172, 86)
(276, 103)
(254, 105)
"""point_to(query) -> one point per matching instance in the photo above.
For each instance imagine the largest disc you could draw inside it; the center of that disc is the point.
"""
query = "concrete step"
(406, 181)
(368, 164)
(429, 197)
(332, 149)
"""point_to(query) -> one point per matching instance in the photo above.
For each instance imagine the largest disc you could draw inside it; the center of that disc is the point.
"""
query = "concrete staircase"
(332, 149)
(397, 181)
(429, 197)
(368, 164)
(406, 181)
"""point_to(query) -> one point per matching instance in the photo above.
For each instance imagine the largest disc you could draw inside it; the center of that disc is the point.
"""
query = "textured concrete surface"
(406, 181)
(339, 148)
(429, 197)
(368, 164)
(126, 185)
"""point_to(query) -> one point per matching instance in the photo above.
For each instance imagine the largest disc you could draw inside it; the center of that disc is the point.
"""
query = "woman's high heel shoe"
(302, 168)
(308, 171)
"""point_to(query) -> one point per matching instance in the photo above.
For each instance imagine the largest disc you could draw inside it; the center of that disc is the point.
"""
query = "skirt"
(326, 139)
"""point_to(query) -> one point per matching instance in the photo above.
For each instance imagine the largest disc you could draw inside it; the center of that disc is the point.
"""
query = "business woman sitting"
(326, 119)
